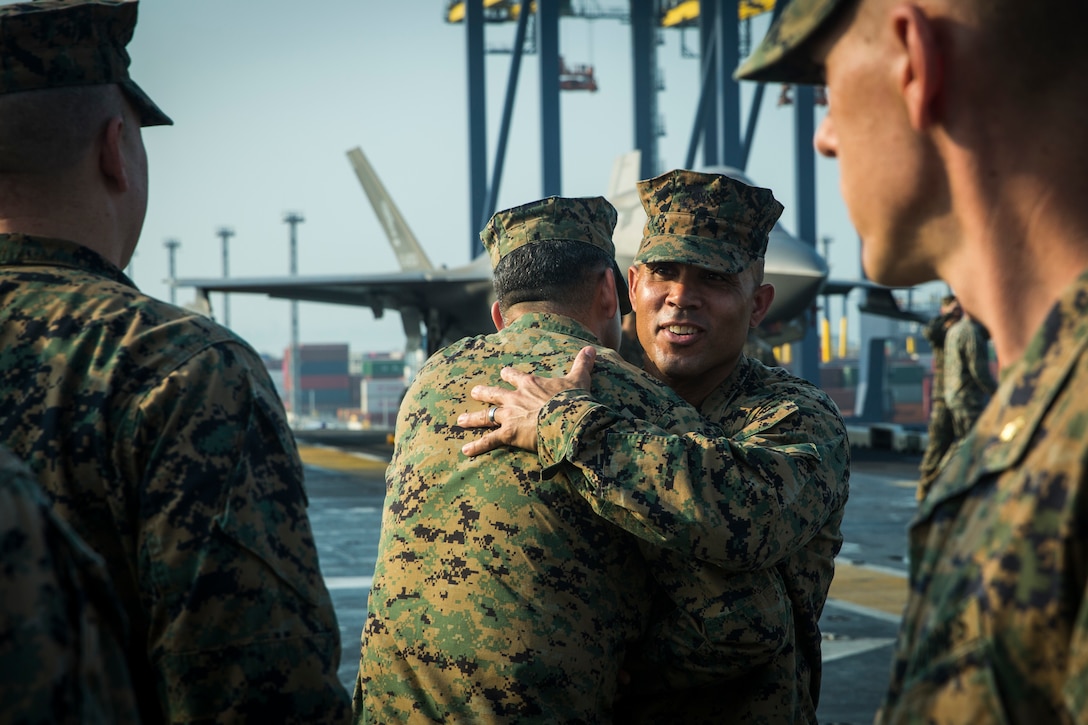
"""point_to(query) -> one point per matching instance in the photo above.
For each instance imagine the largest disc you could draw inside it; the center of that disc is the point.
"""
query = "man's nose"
(825, 140)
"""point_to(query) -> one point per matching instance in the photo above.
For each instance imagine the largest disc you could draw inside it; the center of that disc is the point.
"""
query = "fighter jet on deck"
(439, 305)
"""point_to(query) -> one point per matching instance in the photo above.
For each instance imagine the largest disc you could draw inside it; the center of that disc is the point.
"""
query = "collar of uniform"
(27, 250)
(553, 323)
(1008, 424)
(721, 397)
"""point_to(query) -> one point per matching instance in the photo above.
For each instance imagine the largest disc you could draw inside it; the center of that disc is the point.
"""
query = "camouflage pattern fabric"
(996, 624)
(159, 438)
(62, 631)
(498, 595)
(968, 383)
(940, 438)
(939, 434)
(769, 493)
(63, 43)
(589, 220)
(781, 57)
(707, 220)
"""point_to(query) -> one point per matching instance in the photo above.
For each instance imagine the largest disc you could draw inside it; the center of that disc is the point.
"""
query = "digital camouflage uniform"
(498, 595)
(968, 383)
(62, 631)
(996, 626)
(769, 493)
(160, 439)
(939, 434)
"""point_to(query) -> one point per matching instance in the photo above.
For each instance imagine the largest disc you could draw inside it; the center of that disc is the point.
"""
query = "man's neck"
(1013, 272)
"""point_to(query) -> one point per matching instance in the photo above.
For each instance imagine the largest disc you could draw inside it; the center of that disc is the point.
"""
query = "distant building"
(275, 367)
(324, 382)
(361, 390)
(381, 386)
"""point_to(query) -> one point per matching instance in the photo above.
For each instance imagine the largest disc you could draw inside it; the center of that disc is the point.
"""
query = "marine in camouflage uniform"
(996, 623)
(769, 493)
(156, 433)
(62, 631)
(939, 434)
(968, 383)
(498, 594)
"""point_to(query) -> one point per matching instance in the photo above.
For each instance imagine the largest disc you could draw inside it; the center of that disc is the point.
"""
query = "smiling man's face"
(693, 322)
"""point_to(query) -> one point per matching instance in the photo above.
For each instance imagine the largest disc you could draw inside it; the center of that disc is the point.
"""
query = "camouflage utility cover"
(590, 220)
(160, 439)
(996, 625)
(64, 43)
(769, 491)
(706, 220)
(781, 57)
(498, 594)
(62, 631)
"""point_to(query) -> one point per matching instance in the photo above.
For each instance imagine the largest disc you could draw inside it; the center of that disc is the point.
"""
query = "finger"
(476, 419)
(514, 377)
(483, 444)
(488, 394)
(582, 366)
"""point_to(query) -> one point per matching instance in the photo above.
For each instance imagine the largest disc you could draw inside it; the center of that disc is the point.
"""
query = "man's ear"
(632, 283)
(607, 300)
(762, 299)
(111, 155)
(496, 316)
(920, 70)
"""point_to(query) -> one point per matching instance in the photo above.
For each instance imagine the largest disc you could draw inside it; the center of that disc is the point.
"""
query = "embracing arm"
(741, 502)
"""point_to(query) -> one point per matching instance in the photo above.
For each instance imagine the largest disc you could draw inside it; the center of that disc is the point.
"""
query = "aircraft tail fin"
(410, 254)
(625, 174)
(623, 194)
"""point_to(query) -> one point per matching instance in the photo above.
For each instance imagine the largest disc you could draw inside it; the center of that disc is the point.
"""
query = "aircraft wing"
(451, 303)
(878, 299)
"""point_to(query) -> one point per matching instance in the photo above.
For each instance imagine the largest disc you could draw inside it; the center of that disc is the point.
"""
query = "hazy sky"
(267, 97)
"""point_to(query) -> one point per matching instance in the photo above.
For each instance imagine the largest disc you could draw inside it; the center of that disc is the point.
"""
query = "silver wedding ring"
(491, 414)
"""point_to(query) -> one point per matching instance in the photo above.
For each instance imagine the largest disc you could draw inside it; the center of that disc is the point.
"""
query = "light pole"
(293, 219)
(825, 323)
(172, 247)
(225, 233)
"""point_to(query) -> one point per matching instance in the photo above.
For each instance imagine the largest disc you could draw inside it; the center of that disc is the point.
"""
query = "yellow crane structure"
(673, 14)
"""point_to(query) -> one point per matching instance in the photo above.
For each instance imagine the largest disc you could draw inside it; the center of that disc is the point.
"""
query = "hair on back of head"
(557, 272)
(46, 131)
(1036, 45)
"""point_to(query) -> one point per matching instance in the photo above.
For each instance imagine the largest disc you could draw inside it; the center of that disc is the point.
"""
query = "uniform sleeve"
(62, 631)
(241, 624)
(742, 502)
(977, 356)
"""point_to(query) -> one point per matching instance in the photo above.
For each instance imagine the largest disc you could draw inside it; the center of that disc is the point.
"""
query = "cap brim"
(690, 249)
(621, 289)
(150, 114)
(782, 56)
